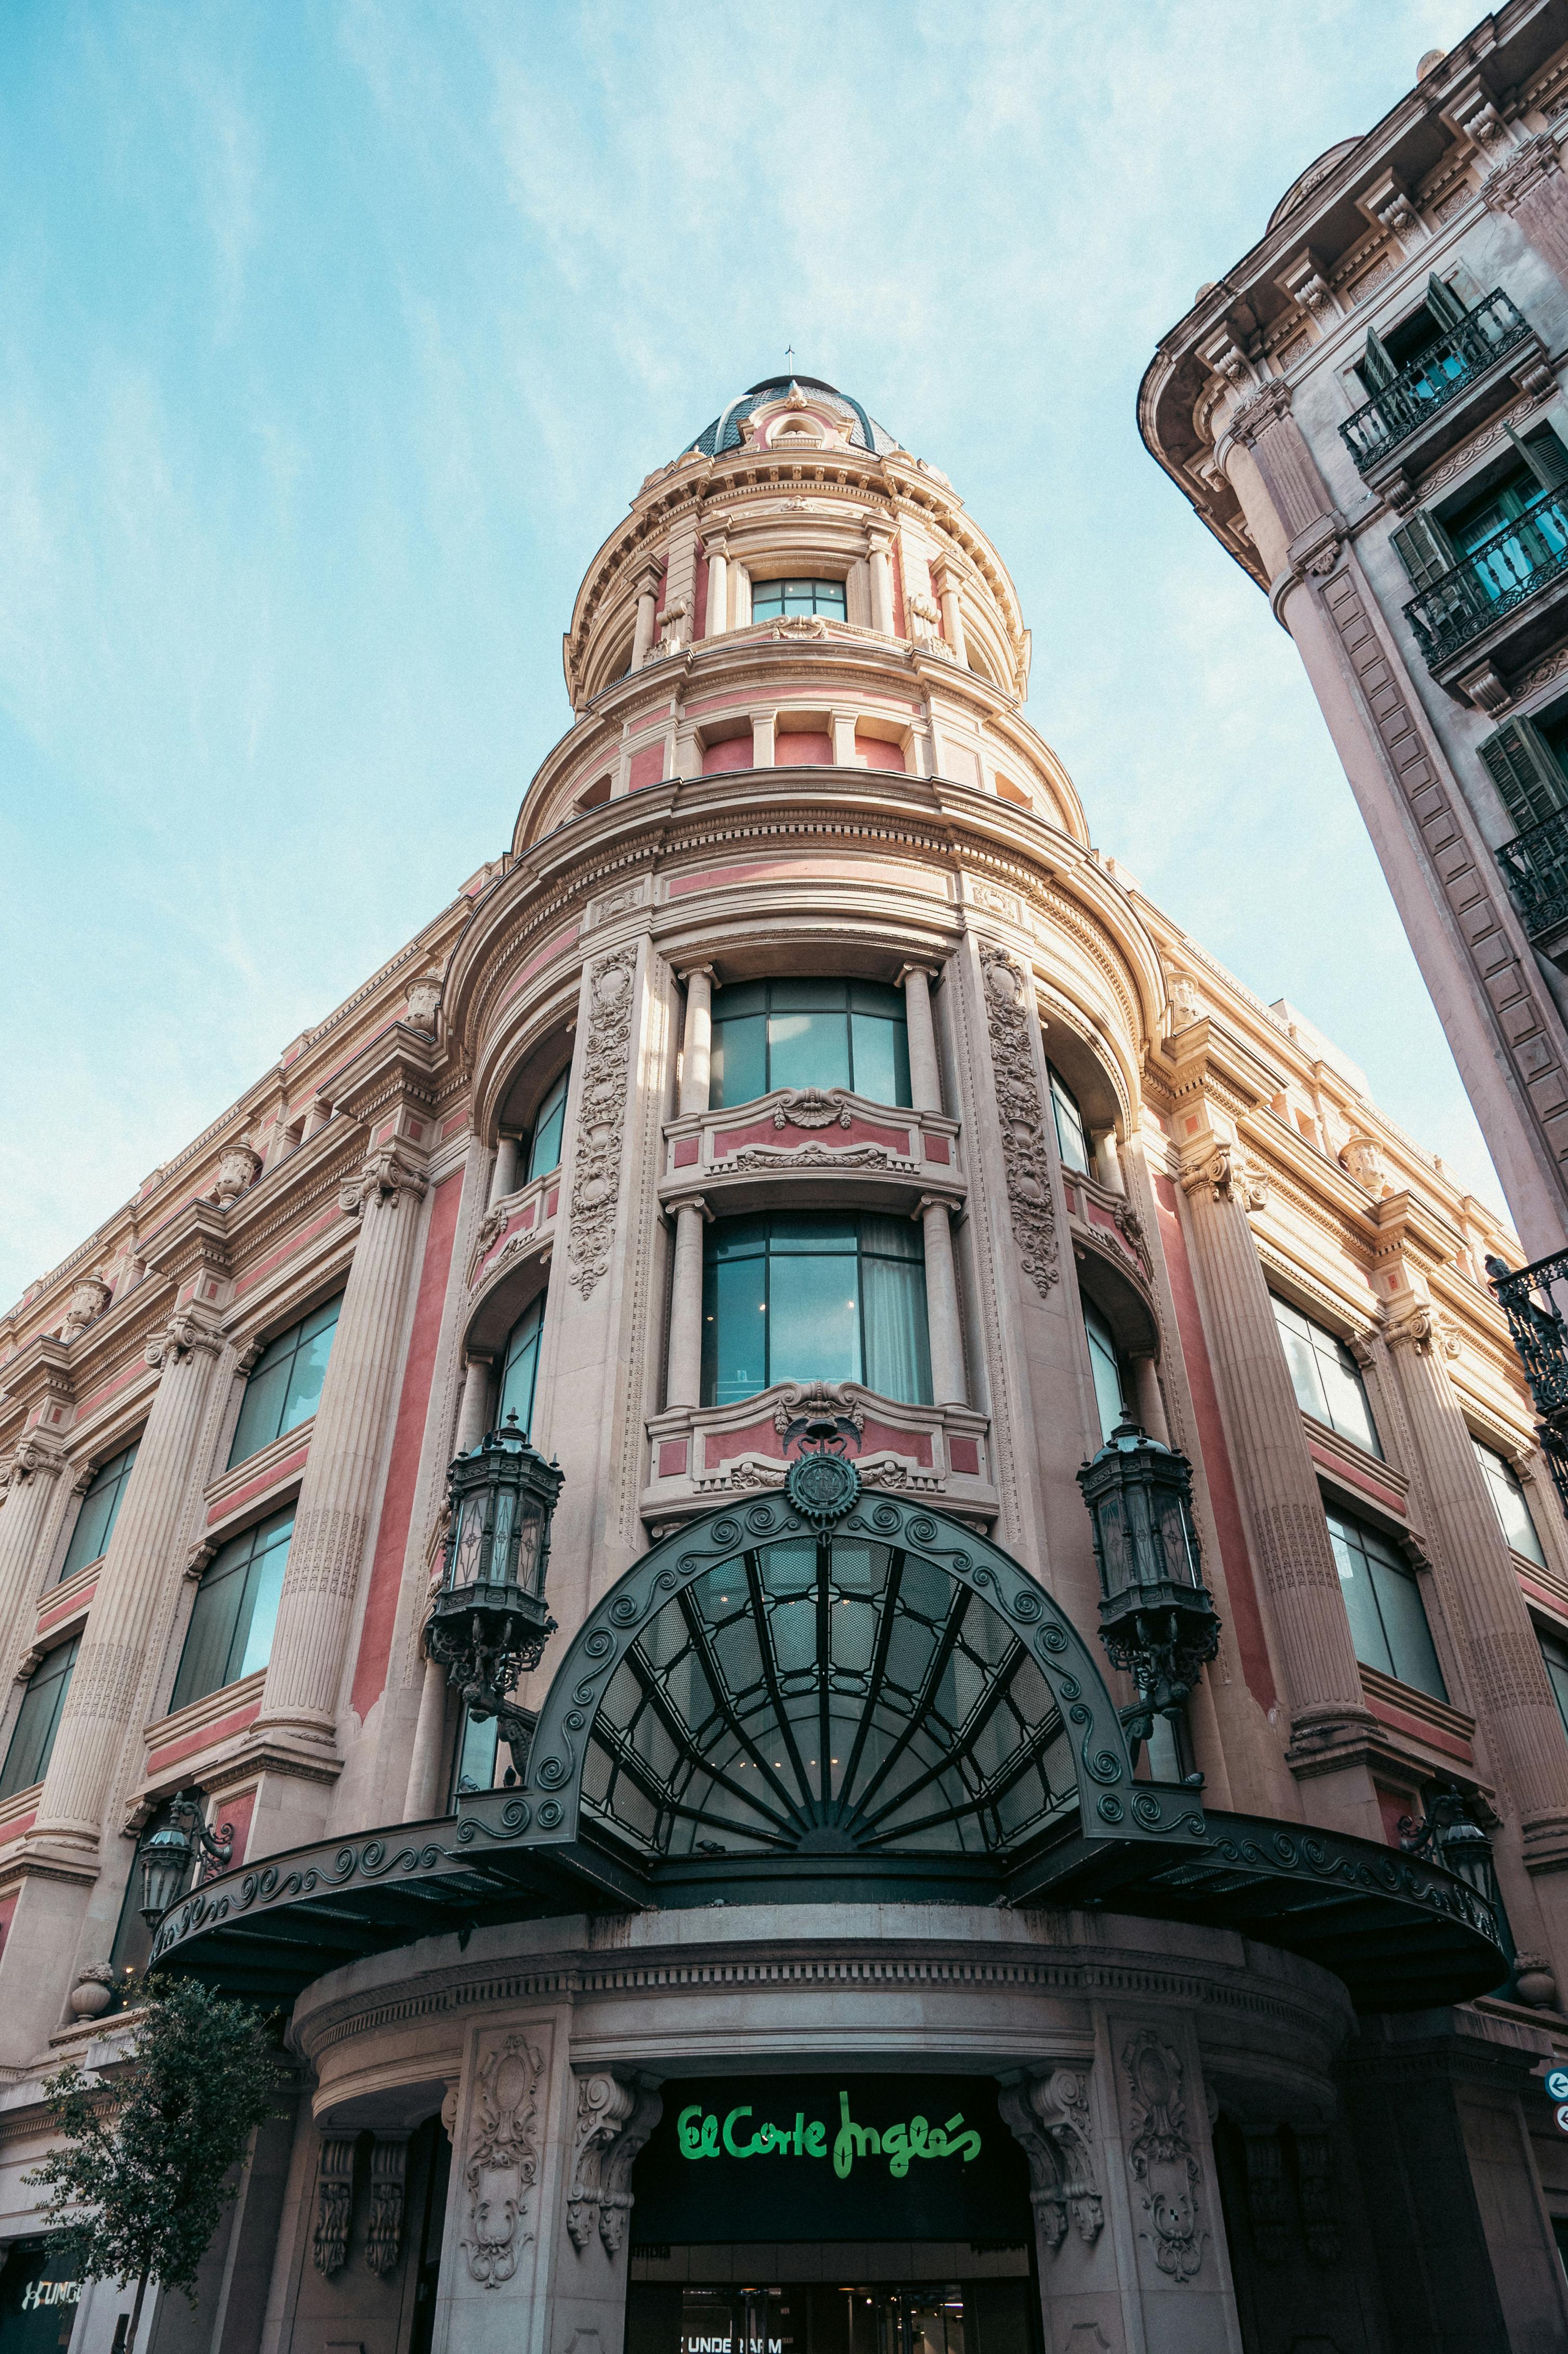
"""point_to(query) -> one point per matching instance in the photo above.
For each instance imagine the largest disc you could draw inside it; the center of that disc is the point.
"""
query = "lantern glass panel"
(501, 1541)
(470, 1544)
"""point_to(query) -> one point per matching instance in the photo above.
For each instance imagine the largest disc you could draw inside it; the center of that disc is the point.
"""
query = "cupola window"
(545, 1151)
(814, 1297)
(99, 1511)
(809, 1033)
(770, 600)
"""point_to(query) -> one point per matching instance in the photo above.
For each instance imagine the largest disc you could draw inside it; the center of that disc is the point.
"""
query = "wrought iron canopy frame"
(1401, 1932)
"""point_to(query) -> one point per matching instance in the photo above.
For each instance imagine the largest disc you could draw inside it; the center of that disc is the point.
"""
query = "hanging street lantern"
(1450, 1835)
(489, 1623)
(1157, 1619)
(167, 1853)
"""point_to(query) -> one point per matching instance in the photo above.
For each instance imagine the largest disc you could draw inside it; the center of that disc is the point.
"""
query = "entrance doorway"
(935, 2311)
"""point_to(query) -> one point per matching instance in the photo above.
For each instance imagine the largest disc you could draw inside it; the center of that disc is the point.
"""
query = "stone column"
(647, 599)
(683, 1383)
(35, 1469)
(1518, 1715)
(762, 723)
(110, 1681)
(423, 1797)
(503, 1176)
(947, 1339)
(881, 550)
(945, 580)
(718, 619)
(1330, 1721)
(1148, 1403)
(697, 1057)
(925, 1076)
(474, 1412)
(1108, 1162)
(337, 1504)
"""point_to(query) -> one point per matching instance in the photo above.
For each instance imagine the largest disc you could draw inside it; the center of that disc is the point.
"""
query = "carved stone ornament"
(181, 1336)
(87, 1301)
(490, 1226)
(387, 1173)
(28, 1666)
(238, 1169)
(1160, 2155)
(812, 1107)
(1186, 1005)
(1229, 1176)
(602, 1118)
(1424, 1331)
(424, 997)
(816, 1156)
(1027, 1166)
(384, 2231)
(1266, 2201)
(335, 2201)
(1363, 1157)
(1260, 411)
(503, 2159)
(614, 2118)
(27, 1459)
(801, 625)
(197, 1558)
(1049, 2114)
(1505, 188)
(804, 1400)
(1316, 2189)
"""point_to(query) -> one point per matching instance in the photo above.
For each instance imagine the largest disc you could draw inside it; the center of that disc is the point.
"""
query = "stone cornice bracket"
(194, 1243)
(1224, 357)
(1317, 549)
(39, 1376)
(1049, 2114)
(383, 2230)
(1229, 1176)
(1527, 169)
(335, 2201)
(184, 1335)
(616, 2112)
(389, 1171)
(1303, 280)
(197, 1558)
(1389, 204)
(1471, 113)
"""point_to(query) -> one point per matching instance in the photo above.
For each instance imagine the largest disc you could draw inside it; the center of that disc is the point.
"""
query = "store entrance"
(990, 2312)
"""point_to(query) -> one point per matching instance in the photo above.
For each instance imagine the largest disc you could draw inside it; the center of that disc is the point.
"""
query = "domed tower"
(911, 1259)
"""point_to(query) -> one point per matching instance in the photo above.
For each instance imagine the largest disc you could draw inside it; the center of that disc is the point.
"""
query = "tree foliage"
(140, 2186)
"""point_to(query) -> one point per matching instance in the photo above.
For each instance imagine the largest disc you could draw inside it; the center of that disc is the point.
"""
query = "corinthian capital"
(1426, 1332)
(29, 1460)
(1228, 1175)
(388, 1173)
(182, 1336)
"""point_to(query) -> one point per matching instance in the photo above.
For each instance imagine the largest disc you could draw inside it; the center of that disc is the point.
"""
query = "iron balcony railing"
(1443, 369)
(1509, 568)
(1539, 1336)
(1535, 868)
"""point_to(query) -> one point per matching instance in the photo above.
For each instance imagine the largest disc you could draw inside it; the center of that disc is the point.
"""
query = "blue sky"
(334, 337)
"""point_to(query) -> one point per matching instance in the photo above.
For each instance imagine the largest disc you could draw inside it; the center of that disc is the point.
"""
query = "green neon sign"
(701, 2133)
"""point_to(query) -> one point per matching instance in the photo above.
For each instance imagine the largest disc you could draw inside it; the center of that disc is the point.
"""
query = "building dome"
(806, 393)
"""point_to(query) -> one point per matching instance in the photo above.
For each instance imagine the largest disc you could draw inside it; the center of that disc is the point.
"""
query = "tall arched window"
(99, 1511)
(520, 1366)
(549, 1122)
(809, 1033)
(814, 1296)
(1072, 1142)
(1112, 1387)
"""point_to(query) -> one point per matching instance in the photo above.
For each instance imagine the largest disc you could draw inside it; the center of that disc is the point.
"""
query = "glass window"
(473, 1768)
(285, 1383)
(1327, 1378)
(230, 1633)
(99, 1509)
(1105, 1359)
(545, 1151)
(1554, 1652)
(814, 1297)
(520, 1366)
(1071, 1141)
(771, 597)
(38, 1720)
(1382, 1601)
(809, 1033)
(1513, 1506)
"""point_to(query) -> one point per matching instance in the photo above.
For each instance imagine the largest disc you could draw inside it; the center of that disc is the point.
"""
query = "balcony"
(1507, 592)
(1437, 397)
(1528, 1297)
(1535, 868)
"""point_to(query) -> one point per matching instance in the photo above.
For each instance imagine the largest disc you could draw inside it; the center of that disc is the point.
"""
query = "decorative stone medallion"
(823, 1489)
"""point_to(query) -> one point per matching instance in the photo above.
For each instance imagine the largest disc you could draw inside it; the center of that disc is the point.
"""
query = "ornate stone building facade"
(821, 1150)
(1367, 412)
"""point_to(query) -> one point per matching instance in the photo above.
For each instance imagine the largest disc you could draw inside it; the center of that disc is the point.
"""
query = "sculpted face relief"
(701, 2133)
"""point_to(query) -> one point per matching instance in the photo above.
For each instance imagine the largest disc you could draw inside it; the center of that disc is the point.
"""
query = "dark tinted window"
(99, 1509)
(38, 1721)
(285, 1383)
(230, 1633)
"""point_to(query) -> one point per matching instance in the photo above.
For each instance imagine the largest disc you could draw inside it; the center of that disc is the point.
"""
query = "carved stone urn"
(94, 1991)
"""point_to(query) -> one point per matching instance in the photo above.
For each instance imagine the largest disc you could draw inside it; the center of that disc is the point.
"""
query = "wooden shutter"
(1423, 548)
(1545, 457)
(1377, 368)
(1524, 769)
(1443, 303)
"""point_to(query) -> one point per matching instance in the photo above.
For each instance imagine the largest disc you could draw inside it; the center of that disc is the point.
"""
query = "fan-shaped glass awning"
(868, 1700)
(827, 1695)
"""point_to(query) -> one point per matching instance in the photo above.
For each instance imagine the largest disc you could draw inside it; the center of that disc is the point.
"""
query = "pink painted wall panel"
(720, 759)
(875, 754)
(647, 767)
(799, 748)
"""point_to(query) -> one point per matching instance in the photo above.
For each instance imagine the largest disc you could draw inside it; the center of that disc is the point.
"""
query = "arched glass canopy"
(827, 1695)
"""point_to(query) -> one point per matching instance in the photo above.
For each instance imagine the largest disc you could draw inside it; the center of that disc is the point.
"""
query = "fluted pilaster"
(338, 1502)
(109, 1678)
(35, 1475)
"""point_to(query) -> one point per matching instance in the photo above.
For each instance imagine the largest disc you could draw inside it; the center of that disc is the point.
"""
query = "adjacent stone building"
(821, 1150)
